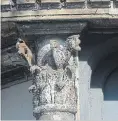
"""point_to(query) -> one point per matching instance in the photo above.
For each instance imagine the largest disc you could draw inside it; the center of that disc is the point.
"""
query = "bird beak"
(19, 40)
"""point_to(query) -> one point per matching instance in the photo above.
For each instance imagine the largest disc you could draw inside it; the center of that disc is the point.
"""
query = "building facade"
(89, 91)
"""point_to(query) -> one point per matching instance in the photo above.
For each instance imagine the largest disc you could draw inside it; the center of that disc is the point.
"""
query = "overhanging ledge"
(62, 14)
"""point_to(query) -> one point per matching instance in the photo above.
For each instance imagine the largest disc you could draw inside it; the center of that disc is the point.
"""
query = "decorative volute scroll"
(54, 90)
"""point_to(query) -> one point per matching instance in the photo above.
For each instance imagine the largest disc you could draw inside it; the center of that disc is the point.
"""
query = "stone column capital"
(54, 90)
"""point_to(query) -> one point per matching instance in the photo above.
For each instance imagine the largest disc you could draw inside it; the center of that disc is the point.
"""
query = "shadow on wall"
(105, 76)
(111, 86)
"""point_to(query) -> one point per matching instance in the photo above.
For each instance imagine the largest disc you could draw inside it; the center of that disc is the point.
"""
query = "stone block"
(5, 5)
(99, 3)
(26, 4)
(50, 4)
(116, 3)
(50, 1)
(21, 5)
(99, 0)
(75, 3)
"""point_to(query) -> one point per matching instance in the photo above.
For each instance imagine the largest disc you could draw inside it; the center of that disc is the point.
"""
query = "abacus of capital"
(54, 86)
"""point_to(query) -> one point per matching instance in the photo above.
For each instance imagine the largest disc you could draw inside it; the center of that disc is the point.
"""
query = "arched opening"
(104, 88)
(102, 60)
(111, 86)
(110, 104)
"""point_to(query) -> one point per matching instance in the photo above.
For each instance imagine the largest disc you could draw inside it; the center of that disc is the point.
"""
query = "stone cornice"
(54, 10)
(58, 4)
(62, 14)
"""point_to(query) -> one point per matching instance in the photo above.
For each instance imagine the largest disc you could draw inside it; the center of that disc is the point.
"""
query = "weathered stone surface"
(75, 3)
(56, 4)
(54, 88)
(12, 74)
(116, 3)
(52, 28)
(12, 65)
(50, 4)
(8, 27)
(9, 34)
(99, 3)
(58, 116)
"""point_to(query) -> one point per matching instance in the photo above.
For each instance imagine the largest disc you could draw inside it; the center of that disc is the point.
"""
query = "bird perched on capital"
(24, 50)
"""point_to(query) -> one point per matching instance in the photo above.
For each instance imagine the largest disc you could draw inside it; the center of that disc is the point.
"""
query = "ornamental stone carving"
(54, 90)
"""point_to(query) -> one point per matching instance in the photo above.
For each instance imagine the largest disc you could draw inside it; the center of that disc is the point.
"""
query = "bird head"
(19, 41)
(54, 44)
